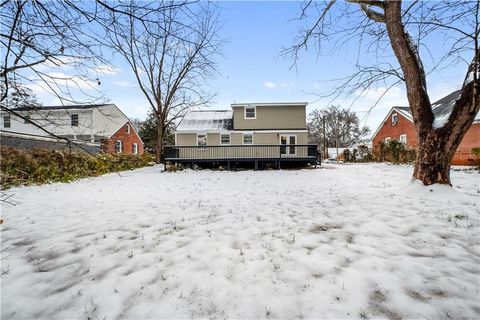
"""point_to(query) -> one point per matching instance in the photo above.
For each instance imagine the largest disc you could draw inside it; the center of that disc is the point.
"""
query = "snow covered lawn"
(342, 241)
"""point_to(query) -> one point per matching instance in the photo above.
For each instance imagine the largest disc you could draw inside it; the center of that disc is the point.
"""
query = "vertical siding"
(271, 117)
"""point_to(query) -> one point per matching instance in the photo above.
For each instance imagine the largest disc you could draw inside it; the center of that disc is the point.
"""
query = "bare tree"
(383, 26)
(171, 59)
(335, 128)
(39, 40)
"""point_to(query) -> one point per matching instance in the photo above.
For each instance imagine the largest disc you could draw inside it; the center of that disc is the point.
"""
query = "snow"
(206, 120)
(337, 242)
(442, 113)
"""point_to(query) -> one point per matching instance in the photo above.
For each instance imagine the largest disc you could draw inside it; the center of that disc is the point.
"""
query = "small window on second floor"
(394, 119)
(6, 121)
(74, 120)
(128, 128)
(250, 112)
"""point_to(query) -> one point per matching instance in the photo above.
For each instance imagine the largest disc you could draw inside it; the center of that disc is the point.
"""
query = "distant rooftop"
(73, 106)
(215, 120)
(269, 104)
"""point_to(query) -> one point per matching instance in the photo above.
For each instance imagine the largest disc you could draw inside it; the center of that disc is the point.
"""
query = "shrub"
(394, 151)
(24, 167)
(360, 154)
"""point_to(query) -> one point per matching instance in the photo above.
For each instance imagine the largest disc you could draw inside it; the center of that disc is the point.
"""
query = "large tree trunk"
(432, 163)
(159, 144)
(436, 146)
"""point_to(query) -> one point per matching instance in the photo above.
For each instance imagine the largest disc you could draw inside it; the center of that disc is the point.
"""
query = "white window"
(201, 140)
(6, 121)
(225, 138)
(128, 129)
(387, 139)
(250, 112)
(248, 138)
(118, 146)
(394, 119)
(74, 120)
(403, 138)
(135, 148)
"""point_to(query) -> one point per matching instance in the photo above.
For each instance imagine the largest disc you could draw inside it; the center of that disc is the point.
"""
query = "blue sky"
(253, 70)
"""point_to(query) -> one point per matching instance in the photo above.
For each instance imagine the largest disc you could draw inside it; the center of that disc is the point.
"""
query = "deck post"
(228, 165)
(279, 166)
(256, 165)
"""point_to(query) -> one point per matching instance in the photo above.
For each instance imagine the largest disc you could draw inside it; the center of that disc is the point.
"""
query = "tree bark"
(436, 146)
(159, 144)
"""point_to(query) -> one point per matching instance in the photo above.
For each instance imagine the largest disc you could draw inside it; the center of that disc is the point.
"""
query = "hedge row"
(22, 167)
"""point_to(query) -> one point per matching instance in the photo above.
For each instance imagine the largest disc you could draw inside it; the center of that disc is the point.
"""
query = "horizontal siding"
(186, 139)
(271, 117)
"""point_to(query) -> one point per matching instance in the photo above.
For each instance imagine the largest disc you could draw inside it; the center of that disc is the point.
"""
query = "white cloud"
(269, 85)
(124, 84)
(79, 82)
(281, 84)
(106, 70)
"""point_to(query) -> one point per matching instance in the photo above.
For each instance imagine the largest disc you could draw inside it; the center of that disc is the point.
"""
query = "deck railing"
(242, 152)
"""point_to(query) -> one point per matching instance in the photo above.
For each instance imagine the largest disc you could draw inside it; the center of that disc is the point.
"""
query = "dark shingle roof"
(442, 108)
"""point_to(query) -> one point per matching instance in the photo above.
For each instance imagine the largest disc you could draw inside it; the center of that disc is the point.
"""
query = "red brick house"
(124, 140)
(398, 125)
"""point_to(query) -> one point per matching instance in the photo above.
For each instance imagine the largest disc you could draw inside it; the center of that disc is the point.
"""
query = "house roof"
(211, 120)
(67, 107)
(269, 104)
(441, 111)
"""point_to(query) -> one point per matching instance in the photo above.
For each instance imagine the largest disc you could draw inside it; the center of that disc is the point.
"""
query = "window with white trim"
(250, 112)
(6, 121)
(248, 138)
(201, 140)
(118, 146)
(403, 138)
(128, 129)
(74, 120)
(225, 138)
(394, 119)
(135, 148)
(387, 139)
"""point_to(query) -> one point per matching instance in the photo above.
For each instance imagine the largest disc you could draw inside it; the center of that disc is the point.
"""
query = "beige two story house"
(261, 133)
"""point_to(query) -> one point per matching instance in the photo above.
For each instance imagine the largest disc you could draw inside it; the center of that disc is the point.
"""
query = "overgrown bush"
(476, 154)
(22, 167)
(360, 154)
(394, 151)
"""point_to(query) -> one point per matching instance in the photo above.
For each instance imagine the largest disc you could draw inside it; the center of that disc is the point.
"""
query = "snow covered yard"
(342, 241)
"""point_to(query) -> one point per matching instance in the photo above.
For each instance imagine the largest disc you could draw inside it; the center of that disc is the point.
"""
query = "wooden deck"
(255, 154)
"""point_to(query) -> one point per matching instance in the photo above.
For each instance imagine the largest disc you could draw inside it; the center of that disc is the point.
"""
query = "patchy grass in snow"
(352, 242)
